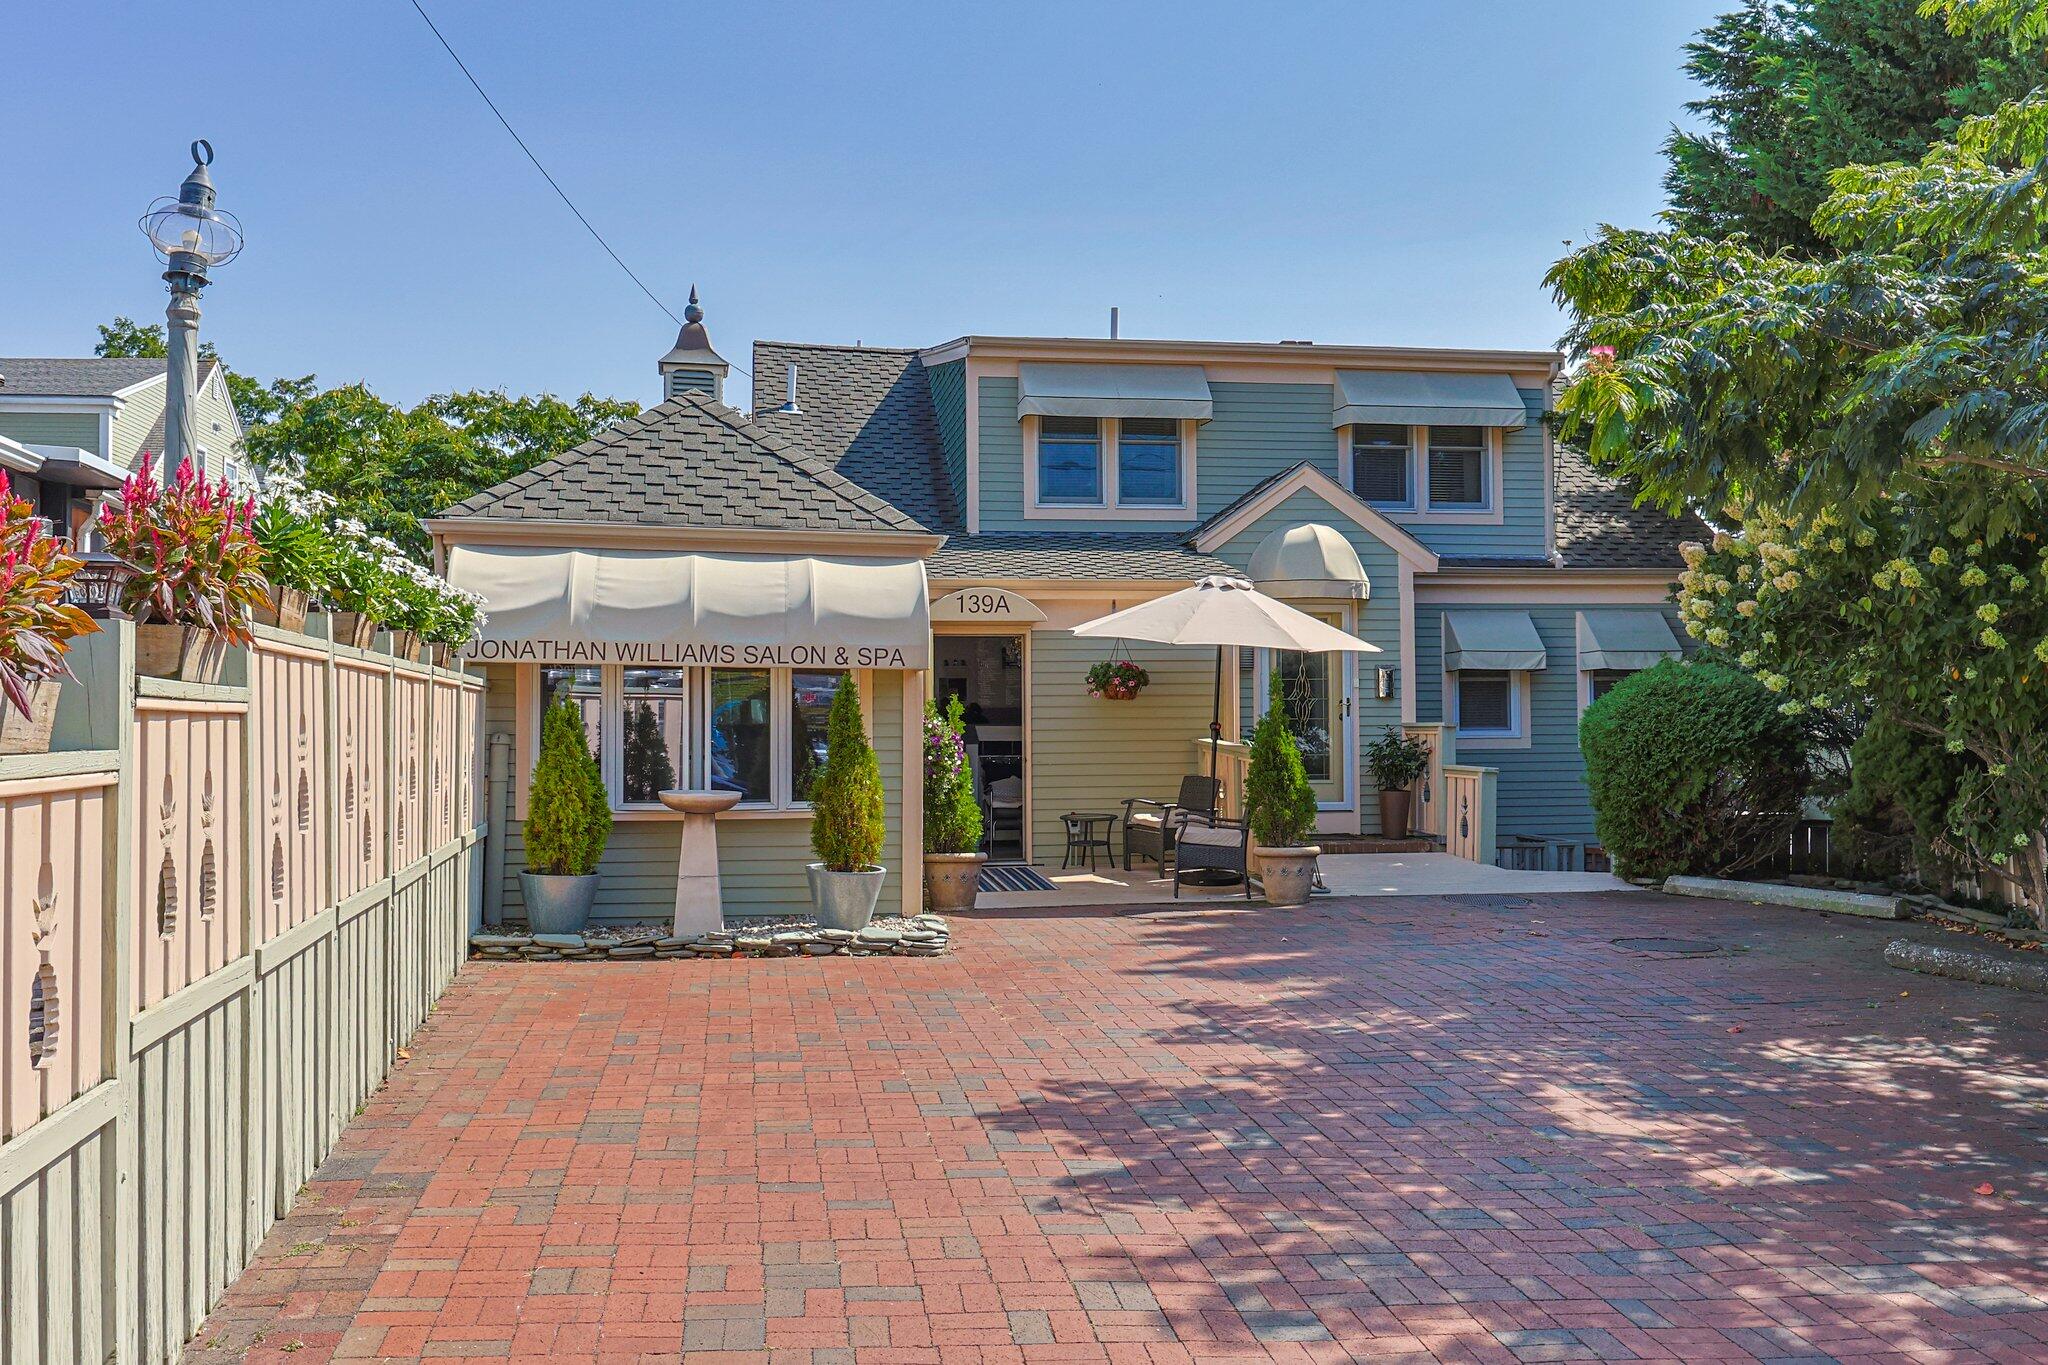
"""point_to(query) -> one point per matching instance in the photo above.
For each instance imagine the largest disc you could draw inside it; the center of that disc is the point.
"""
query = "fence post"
(497, 806)
(120, 1180)
(1468, 812)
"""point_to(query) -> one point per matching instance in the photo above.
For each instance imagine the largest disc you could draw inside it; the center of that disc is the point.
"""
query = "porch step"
(1372, 843)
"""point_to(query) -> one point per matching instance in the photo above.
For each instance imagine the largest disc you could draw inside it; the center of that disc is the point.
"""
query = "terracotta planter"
(406, 645)
(287, 610)
(1288, 873)
(1394, 813)
(355, 628)
(1119, 692)
(187, 653)
(29, 733)
(951, 881)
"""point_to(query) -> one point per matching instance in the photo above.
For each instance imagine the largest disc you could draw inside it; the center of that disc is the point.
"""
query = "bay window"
(757, 731)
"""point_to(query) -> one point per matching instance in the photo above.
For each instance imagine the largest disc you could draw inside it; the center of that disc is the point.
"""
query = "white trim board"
(1307, 478)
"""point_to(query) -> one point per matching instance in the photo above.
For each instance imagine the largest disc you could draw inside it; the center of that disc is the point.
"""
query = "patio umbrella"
(1224, 611)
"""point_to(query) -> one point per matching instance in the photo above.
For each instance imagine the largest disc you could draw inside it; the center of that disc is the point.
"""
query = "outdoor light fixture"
(96, 588)
(1385, 680)
(191, 236)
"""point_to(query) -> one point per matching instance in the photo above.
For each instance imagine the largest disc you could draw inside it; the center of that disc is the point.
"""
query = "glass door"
(1317, 704)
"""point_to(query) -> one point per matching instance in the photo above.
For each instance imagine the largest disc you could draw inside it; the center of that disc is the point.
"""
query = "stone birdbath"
(699, 905)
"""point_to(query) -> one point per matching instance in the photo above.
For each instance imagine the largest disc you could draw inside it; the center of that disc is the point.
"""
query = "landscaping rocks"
(916, 936)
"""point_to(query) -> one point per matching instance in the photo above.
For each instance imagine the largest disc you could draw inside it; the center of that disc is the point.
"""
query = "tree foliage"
(1797, 88)
(1692, 769)
(1279, 801)
(847, 818)
(255, 402)
(648, 771)
(568, 812)
(952, 819)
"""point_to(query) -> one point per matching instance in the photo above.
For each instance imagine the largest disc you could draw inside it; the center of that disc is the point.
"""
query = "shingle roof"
(93, 376)
(1600, 527)
(867, 411)
(1162, 555)
(687, 462)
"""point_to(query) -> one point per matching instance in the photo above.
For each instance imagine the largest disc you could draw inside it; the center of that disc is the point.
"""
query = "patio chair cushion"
(1149, 819)
(1210, 836)
(1006, 791)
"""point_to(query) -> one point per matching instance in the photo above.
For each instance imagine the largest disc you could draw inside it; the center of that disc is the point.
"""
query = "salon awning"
(668, 608)
(1503, 640)
(1112, 391)
(1625, 639)
(1406, 398)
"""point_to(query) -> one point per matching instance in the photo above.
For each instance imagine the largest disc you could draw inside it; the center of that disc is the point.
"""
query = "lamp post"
(190, 235)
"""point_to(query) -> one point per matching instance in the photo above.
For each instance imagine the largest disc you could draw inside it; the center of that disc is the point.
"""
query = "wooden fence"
(226, 908)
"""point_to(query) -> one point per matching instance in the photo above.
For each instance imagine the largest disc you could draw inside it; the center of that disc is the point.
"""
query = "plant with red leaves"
(36, 624)
(196, 557)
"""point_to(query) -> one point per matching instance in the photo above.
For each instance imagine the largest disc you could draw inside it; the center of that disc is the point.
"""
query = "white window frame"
(1418, 508)
(1111, 507)
(1520, 696)
(1407, 504)
(1586, 683)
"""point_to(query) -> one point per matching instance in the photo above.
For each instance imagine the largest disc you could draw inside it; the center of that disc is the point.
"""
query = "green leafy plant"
(846, 797)
(1395, 760)
(952, 819)
(1117, 680)
(648, 771)
(36, 624)
(1893, 818)
(1277, 795)
(1692, 769)
(290, 527)
(197, 561)
(568, 814)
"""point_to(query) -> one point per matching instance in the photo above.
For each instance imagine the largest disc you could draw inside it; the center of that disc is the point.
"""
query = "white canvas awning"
(1625, 639)
(1311, 560)
(1408, 398)
(553, 605)
(1503, 640)
(1045, 390)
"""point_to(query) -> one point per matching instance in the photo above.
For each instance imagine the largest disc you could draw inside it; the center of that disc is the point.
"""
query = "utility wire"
(464, 66)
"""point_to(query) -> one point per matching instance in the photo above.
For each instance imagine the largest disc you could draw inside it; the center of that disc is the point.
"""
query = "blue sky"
(1368, 172)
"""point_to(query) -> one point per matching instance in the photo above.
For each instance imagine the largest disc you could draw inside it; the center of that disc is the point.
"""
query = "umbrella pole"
(1216, 719)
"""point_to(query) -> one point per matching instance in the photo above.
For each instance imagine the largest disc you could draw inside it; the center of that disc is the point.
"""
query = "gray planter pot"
(1288, 873)
(951, 881)
(557, 905)
(845, 900)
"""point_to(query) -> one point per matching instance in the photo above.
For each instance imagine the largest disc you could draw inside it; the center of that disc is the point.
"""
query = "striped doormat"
(1013, 877)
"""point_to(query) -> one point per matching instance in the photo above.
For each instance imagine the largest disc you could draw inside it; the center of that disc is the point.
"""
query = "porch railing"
(1426, 803)
(1233, 761)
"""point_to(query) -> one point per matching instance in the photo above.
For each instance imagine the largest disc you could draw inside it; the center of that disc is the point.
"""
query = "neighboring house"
(90, 420)
(1414, 496)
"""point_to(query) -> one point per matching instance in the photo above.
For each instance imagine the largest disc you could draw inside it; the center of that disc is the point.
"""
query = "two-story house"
(1413, 496)
(79, 425)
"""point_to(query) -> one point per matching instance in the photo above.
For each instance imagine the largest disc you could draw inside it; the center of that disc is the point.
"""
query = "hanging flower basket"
(1117, 680)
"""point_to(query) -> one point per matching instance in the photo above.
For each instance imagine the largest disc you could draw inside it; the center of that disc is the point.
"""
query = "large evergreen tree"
(1798, 88)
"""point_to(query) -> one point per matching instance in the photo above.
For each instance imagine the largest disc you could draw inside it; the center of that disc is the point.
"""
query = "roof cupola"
(691, 363)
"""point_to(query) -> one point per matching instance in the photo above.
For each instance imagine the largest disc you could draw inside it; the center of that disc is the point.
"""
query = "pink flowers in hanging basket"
(1117, 680)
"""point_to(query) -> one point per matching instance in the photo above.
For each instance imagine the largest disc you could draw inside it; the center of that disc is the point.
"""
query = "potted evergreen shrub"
(1395, 760)
(198, 571)
(36, 625)
(846, 821)
(1282, 809)
(952, 820)
(568, 820)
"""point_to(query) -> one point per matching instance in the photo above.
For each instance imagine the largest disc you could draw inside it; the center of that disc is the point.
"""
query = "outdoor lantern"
(96, 588)
(188, 232)
(1385, 689)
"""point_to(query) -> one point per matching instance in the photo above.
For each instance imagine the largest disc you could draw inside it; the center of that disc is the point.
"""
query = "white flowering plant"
(290, 525)
(1920, 614)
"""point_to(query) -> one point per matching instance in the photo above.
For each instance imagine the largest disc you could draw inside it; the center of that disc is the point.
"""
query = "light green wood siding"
(80, 429)
(1379, 618)
(139, 412)
(1089, 754)
(1542, 787)
(1522, 478)
(949, 404)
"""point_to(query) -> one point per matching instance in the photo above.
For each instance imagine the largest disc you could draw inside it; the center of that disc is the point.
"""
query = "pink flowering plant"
(194, 548)
(952, 820)
(36, 624)
(1117, 680)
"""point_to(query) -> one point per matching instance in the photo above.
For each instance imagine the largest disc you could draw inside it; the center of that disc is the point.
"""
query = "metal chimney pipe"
(789, 402)
(1112, 323)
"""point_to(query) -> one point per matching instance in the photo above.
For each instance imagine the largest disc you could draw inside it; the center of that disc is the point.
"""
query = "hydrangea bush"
(1935, 623)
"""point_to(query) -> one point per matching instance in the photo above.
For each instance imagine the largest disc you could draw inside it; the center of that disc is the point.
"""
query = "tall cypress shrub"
(846, 799)
(1278, 798)
(568, 812)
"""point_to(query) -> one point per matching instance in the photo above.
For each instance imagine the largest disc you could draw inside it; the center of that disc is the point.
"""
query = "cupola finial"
(693, 312)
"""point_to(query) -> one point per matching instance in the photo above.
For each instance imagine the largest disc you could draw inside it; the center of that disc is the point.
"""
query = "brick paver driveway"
(1477, 1129)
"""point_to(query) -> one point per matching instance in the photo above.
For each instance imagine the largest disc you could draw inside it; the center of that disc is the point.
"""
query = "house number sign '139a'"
(985, 604)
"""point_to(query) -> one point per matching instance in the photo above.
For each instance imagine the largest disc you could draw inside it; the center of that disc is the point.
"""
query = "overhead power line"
(478, 87)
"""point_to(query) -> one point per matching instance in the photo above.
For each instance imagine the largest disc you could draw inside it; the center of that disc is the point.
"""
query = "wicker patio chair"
(1221, 844)
(1150, 827)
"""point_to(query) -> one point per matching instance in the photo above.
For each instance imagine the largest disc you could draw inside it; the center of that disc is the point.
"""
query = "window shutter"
(1484, 702)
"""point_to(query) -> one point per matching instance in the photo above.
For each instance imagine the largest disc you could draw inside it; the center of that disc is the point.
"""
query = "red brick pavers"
(1472, 1129)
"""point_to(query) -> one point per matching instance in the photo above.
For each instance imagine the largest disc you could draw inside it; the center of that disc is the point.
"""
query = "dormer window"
(1148, 462)
(1457, 468)
(1070, 460)
(1110, 442)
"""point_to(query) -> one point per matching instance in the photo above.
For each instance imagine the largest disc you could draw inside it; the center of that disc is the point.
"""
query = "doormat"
(1013, 877)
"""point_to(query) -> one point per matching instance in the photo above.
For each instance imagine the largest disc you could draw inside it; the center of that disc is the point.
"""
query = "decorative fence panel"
(1426, 795)
(1468, 812)
(283, 903)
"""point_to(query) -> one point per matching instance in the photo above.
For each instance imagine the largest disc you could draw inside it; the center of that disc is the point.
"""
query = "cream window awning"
(1505, 640)
(553, 605)
(1045, 390)
(1406, 398)
(1625, 639)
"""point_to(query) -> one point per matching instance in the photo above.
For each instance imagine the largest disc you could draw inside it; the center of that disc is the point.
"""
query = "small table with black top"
(1083, 840)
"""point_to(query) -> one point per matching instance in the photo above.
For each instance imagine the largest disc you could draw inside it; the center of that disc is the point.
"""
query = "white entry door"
(1318, 696)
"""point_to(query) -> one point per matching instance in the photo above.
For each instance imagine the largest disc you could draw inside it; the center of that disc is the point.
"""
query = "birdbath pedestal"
(699, 905)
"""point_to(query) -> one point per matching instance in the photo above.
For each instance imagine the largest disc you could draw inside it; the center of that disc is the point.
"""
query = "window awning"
(1045, 390)
(1625, 639)
(1418, 399)
(1311, 560)
(1504, 640)
(553, 605)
